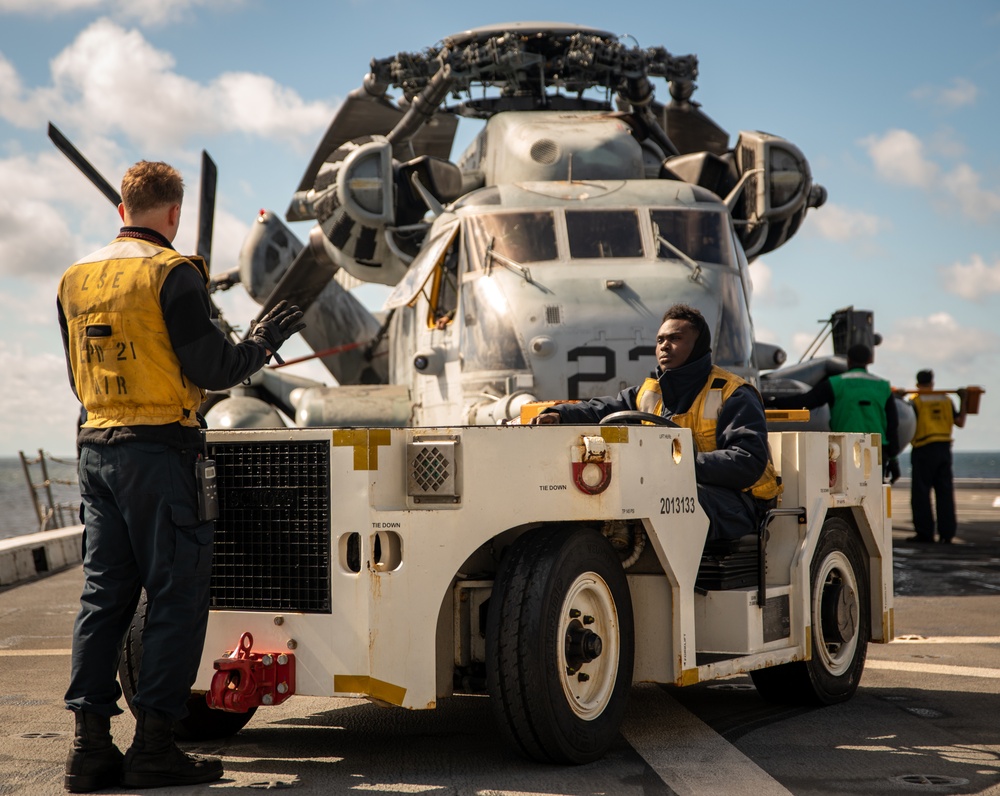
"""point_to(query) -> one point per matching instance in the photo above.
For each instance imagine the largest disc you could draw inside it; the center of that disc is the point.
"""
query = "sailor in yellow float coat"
(930, 461)
(736, 479)
(141, 346)
(125, 371)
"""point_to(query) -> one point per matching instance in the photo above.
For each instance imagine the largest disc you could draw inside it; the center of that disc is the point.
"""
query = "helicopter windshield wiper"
(690, 263)
(507, 263)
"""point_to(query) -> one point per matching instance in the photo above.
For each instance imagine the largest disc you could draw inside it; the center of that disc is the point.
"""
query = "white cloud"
(900, 159)
(145, 12)
(803, 341)
(761, 277)
(34, 240)
(48, 8)
(102, 86)
(975, 201)
(49, 216)
(973, 280)
(939, 339)
(947, 143)
(46, 410)
(835, 222)
(766, 292)
(960, 93)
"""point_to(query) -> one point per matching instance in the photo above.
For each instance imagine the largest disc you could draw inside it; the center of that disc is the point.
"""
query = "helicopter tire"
(560, 645)
(634, 417)
(202, 722)
(839, 609)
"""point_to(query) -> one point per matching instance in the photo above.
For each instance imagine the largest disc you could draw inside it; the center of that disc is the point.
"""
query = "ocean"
(17, 513)
(18, 517)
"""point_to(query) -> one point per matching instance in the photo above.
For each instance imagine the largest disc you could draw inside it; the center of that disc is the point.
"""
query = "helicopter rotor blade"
(63, 145)
(206, 207)
(360, 115)
(691, 129)
(308, 274)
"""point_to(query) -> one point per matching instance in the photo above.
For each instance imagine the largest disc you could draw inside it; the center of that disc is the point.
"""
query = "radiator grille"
(272, 538)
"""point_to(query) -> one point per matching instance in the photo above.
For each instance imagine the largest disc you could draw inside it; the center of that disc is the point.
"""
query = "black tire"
(840, 613)
(202, 722)
(560, 645)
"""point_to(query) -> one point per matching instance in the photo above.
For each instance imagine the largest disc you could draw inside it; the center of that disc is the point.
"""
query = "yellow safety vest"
(703, 417)
(935, 418)
(125, 371)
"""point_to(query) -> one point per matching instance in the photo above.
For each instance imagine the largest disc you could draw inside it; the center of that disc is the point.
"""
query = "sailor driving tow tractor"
(736, 479)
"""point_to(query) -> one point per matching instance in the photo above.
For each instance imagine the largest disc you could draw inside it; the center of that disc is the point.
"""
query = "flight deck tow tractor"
(392, 564)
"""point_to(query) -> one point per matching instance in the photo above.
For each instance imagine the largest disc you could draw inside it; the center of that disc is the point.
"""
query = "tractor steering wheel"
(633, 417)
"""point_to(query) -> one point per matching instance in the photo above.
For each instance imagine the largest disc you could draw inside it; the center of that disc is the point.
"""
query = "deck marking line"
(676, 744)
(33, 653)
(947, 640)
(935, 668)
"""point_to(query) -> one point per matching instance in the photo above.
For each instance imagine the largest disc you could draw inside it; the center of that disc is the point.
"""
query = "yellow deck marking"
(362, 684)
(365, 443)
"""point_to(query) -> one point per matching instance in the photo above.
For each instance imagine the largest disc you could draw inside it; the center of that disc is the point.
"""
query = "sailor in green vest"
(736, 480)
(859, 401)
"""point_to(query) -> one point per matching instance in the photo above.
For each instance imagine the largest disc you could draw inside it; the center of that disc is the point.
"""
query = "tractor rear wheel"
(840, 613)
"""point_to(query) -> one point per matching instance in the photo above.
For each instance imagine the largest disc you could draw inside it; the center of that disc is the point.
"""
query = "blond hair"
(148, 185)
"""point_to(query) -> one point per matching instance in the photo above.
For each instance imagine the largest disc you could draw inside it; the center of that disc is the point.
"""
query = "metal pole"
(48, 487)
(31, 487)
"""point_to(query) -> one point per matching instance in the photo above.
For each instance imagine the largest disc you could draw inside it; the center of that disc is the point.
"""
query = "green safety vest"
(859, 399)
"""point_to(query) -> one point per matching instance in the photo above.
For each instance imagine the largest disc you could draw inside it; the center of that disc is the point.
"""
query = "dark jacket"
(741, 435)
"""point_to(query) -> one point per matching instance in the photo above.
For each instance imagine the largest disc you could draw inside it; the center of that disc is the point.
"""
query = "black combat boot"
(94, 762)
(154, 760)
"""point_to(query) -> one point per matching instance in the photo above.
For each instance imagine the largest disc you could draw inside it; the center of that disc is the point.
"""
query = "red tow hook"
(245, 679)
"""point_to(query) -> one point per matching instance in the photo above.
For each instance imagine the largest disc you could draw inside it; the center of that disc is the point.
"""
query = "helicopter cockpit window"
(423, 265)
(733, 341)
(444, 291)
(603, 233)
(527, 237)
(702, 235)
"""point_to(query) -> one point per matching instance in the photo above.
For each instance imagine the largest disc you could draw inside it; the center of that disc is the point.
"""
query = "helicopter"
(537, 264)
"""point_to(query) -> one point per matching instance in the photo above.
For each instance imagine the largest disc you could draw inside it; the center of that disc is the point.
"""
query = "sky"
(895, 104)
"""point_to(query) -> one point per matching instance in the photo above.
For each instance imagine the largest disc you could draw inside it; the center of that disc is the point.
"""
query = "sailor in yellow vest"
(142, 349)
(736, 480)
(930, 461)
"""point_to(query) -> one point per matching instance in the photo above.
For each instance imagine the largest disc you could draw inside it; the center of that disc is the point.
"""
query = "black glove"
(280, 323)
(892, 470)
